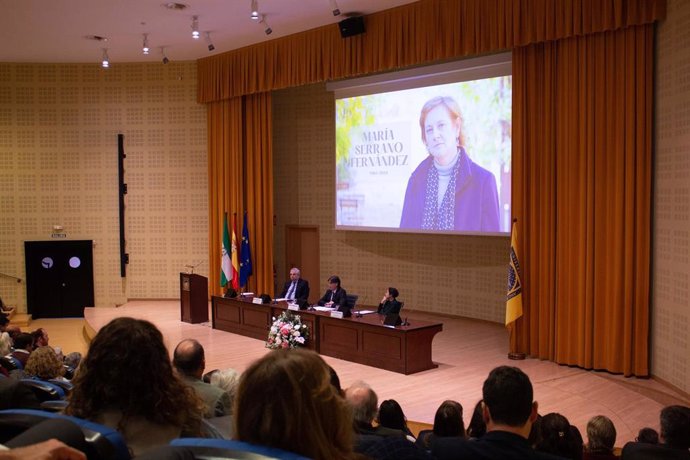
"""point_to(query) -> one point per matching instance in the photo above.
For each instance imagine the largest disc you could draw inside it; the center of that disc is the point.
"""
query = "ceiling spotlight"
(209, 42)
(106, 61)
(195, 27)
(165, 58)
(145, 45)
(255, 10)
(267, 28)
(334, 8)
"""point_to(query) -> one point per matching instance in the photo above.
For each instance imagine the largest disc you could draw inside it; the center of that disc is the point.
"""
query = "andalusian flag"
(234, 256)
(514, 301)
(225, 270)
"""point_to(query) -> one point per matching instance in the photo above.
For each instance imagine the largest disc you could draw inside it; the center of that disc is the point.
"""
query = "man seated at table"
(335, 297)
(295, 288)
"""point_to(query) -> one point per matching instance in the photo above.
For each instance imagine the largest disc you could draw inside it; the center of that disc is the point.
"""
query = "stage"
(465, 351)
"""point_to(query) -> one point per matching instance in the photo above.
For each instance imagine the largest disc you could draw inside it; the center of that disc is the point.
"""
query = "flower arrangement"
(287, 331)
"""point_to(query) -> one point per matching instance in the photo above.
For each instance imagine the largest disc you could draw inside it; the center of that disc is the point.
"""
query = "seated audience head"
(189, 358)
(364, 402)
(40, 337)
(4, 321)
(556, 437)
(675, 427)
(393, 292)
(601, 435)
(44, 364)
(334, 282)
(127, 369)
(5, 344)
(477, 426)
(391, 415)
(508, 403)
(73, 359)
(227, 380)
(448, 420)
(24, 341)
(286, 400)
(13, 331)
(648, 436)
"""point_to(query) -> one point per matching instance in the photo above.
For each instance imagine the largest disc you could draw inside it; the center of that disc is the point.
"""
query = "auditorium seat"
(44, 390)
(228, 449)
(104, 442)
(11, 363)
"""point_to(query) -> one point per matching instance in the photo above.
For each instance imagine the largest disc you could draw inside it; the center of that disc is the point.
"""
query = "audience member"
(364, 403)
(227, 380)
(647, 435)
(23, 346)
(40, 337)
(335, 381)
(556, 437)
(72, 360)
(5, 344)
(4, 321)
(674, 438)
(189, 361)
(391, 415)
(477, 427)
(447, 423)
(508, 411)
(601, 438)
(13, 331)
(44, 364)
(285, 400)
(126, 381)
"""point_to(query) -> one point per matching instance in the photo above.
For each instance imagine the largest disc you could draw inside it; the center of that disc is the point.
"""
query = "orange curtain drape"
(240, 171)
(412, 34)
(582, 158)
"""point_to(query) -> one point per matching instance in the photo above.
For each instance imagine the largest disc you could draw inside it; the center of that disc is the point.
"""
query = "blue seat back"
(44, 390)
(106, 443)
(228, 449)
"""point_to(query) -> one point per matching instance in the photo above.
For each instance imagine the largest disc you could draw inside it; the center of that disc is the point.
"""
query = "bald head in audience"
(189, 358)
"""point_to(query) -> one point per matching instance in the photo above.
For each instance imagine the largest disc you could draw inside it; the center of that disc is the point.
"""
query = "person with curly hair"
(126, 381)
(44, 364)
(285, 400)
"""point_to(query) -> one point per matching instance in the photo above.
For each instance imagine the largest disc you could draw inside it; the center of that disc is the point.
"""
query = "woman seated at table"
(389, 304)
(335, 296)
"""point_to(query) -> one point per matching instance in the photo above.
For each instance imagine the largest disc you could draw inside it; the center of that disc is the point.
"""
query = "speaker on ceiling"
(351, 26)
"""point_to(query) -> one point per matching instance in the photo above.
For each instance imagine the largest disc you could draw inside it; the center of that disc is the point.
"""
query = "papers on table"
(280, 299)
(318, 308)
(365, 312)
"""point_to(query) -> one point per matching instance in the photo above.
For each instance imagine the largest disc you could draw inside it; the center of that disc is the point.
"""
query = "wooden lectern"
(193, 298)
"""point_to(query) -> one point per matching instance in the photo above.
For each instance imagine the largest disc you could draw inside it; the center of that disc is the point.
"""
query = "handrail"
(19, 280)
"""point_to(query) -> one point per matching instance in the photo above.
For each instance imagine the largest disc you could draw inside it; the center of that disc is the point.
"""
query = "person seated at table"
(335, 296)
(295, 288)
(389, 304)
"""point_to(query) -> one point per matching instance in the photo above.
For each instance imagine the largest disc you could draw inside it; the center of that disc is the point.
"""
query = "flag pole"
(514, 299)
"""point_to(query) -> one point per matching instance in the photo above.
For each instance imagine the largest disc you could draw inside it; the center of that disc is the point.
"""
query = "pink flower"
(285, 345)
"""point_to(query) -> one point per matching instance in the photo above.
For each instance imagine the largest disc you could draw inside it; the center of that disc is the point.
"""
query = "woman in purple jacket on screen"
(448, 191)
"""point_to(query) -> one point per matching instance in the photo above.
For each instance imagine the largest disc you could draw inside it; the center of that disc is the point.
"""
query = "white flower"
(295, 333)
(300, 340)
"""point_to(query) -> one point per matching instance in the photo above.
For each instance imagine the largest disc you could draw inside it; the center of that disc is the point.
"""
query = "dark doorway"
(59, 278)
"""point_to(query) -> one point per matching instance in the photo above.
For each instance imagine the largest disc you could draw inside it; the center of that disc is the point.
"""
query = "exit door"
(59, 278)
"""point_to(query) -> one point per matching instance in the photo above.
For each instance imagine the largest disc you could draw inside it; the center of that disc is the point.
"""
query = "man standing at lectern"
(295, 288)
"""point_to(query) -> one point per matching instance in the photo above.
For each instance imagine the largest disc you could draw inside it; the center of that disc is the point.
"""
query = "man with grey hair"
(364, 403)
(295, 288)
(189, 361)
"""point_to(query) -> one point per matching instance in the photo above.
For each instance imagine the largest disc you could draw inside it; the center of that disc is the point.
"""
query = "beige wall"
(58, 166)
(670, 352)
(458, 275)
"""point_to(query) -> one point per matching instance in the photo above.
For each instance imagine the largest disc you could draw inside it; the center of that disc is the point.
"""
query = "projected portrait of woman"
(448, 191)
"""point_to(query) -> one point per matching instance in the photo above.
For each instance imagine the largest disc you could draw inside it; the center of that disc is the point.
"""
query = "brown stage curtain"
(413, 34)
(240, 175)
(582, 158)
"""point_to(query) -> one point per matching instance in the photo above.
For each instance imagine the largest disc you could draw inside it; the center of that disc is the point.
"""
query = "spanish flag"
(514, 300)
(234, 257)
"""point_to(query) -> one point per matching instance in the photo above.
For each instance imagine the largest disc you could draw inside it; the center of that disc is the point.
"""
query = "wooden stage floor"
(466, 350)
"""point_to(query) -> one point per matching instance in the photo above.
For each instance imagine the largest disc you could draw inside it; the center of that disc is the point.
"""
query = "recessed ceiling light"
(175, 6)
